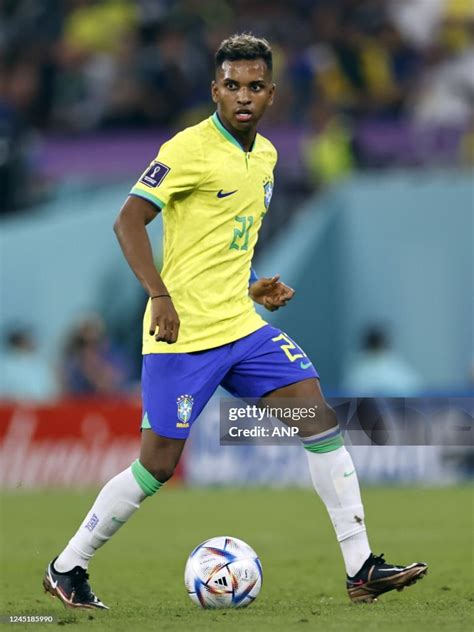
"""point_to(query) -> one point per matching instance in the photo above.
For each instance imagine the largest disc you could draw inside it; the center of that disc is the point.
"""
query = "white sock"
(114, 505)
(335, 480)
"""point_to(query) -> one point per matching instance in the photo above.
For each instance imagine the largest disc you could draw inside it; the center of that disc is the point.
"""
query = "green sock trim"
(326, 446)
(145, 422)
(147, 481)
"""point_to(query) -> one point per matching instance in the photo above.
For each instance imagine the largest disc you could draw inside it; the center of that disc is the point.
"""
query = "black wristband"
(160, 296)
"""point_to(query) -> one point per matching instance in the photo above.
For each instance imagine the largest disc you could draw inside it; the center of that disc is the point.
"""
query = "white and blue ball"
(223, 572)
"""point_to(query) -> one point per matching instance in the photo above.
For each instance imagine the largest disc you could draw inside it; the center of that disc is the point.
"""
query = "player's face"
(243, 90)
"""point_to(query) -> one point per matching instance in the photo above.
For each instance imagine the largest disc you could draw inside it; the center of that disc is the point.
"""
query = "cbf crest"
(185, 409)
(267, 193)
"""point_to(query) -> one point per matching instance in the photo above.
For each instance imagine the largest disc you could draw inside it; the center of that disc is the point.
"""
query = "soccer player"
(213, 183)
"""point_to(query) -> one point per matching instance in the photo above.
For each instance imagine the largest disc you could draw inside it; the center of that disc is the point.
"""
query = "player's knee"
(163, 474)
(325, 419)
(162, 471)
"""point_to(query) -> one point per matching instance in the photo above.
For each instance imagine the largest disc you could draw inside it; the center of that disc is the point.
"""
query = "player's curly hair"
(244, 46)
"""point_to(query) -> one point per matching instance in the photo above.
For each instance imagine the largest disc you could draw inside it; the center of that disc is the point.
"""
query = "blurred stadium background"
(371, 220)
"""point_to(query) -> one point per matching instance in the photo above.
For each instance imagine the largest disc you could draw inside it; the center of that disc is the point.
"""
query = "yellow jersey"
(213, 196)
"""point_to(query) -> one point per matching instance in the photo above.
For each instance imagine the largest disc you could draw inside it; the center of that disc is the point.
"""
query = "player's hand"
(165, 319)
(271, 293)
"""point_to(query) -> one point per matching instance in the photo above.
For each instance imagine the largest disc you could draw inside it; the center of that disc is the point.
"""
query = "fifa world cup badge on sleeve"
(155, 174)
(185, 409)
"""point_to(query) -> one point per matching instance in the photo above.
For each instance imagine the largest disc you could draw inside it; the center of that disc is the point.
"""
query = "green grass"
(139, 574)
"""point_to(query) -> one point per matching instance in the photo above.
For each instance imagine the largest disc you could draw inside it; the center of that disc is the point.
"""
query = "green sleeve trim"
(224, 132)
(326, 446)
(148, 196)
(147, 481)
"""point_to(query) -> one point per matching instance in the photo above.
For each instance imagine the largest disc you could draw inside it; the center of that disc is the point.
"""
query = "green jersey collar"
(217, 122)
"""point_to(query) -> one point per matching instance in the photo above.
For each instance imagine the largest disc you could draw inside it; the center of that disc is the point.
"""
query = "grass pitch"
(139, 574)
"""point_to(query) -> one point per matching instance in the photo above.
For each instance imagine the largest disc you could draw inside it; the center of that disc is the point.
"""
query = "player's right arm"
(130, 229)
(178, 168)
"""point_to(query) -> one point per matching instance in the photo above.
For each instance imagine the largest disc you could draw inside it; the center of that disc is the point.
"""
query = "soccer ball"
(223, 572)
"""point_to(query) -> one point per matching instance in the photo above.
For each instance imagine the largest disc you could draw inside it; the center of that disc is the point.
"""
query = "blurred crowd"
(88, 364)
(74, 66)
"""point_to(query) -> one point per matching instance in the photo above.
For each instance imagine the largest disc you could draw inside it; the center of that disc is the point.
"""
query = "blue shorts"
(177, 386)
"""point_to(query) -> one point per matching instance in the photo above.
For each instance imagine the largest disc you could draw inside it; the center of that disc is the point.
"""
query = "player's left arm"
(269, 292)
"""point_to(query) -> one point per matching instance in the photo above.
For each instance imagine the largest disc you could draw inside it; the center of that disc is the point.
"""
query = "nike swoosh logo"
(305, 365)
(221, 193)
(395, 568)
(346, 474)
(117, 520)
